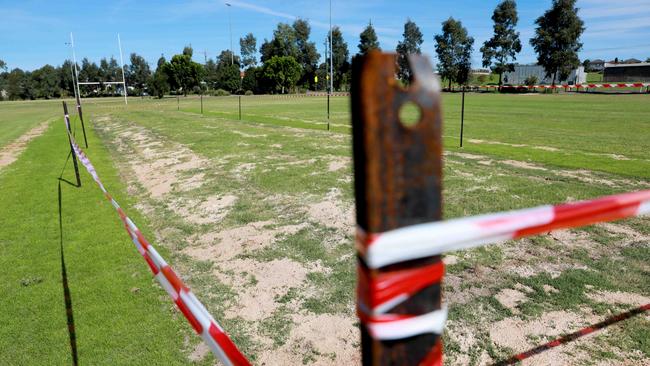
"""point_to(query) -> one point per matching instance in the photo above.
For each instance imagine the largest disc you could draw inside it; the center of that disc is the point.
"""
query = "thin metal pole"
(232, 57)
(119, 42)
(240, 107)
(331, 53)
(66, 117)
(76, 71)
(462, 118)
(201, 103)
(178, 103)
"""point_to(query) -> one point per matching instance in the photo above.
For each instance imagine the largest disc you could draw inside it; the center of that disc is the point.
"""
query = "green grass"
(594, 77)
(596, 132)
(16, 118)
(561, 133)
(121, 315)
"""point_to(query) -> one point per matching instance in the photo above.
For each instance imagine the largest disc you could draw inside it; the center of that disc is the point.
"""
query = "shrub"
(221, 93)
(531, 80)
(249, 92)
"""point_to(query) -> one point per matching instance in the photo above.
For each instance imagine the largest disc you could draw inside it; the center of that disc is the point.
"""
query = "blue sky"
(33, 33)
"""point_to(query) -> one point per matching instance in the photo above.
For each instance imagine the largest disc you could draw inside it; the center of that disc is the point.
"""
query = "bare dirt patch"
(159, 168)
(229, 243)
(11, 152)
(208, 211)
(337, 164)
(520, 335)
(619, 298)
(324, 339)
(332, 212)
(267, 281)
(522, 164)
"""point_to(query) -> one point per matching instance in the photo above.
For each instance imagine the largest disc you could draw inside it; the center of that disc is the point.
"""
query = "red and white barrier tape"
(193, 310)
(425, 240)
(380, 292)
(567, 86)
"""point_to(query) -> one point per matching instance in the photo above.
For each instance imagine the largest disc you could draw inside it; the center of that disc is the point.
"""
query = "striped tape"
(567, 86)
(430, 239)
(378, 292)
(193, 310)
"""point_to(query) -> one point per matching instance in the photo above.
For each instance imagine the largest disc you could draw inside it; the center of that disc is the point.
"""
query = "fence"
(400, 240)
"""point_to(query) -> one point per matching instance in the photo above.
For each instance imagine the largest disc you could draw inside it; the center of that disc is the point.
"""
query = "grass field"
(257, 217)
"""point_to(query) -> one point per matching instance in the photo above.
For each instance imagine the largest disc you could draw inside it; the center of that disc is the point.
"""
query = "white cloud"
(606, 9)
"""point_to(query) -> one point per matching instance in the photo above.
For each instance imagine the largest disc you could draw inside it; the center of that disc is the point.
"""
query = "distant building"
(596, 65)
(631, 61)
(523, 72)
(637, 72)
(481, 71)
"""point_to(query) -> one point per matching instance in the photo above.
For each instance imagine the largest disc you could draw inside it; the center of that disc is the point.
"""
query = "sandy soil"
(11, 152)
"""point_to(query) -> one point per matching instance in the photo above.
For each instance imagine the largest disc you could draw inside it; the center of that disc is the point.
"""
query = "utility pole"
(232, 57)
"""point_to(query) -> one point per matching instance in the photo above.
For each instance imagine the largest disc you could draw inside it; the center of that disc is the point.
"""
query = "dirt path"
(265, 293)
(11, 152)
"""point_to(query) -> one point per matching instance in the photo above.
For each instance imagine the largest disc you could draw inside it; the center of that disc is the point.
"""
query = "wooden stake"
(398, 177)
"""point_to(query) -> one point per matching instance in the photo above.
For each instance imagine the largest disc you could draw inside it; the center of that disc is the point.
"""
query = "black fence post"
(81, 118)
(74, 156)
(201, 103)
(178, 103)
(328, 111)
(240, 107)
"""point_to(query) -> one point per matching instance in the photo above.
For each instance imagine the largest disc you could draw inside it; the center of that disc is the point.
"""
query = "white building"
(522, 72)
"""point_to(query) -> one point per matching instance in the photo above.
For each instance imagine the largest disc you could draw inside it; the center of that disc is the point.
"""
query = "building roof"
(627, 65)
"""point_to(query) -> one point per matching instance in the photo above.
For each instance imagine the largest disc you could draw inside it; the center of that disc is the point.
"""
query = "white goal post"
(123, 82)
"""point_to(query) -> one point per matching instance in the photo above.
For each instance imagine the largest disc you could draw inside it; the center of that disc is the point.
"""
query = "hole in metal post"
(410, 114)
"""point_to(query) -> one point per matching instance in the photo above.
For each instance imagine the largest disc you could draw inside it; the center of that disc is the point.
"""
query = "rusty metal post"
(74, 156)
(81, 118)
(398, 178)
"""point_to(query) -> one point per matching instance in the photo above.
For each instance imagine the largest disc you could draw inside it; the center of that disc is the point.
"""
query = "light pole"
(232, 57)
(331, 53)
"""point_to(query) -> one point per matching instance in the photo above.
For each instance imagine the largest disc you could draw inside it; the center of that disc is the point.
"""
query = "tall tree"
(66, 81)
(227, 71)
(248, 47)
(283, 72)
(188, 51)
(282, 44)
(454, 49)
(18, 85)
(139, 73)
(183, 74)
(409, 45)
(3, 65)
(89, 71)
(341, 58)
(45, 82)
(501, 50)
(368, 40)
(557, 39)
(159, 85)
(307, 54)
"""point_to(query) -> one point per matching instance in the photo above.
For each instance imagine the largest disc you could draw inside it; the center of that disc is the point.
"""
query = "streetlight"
(232, 57)
(331, 58)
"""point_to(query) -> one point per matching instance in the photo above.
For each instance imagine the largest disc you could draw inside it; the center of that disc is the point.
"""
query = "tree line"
(289, 61)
